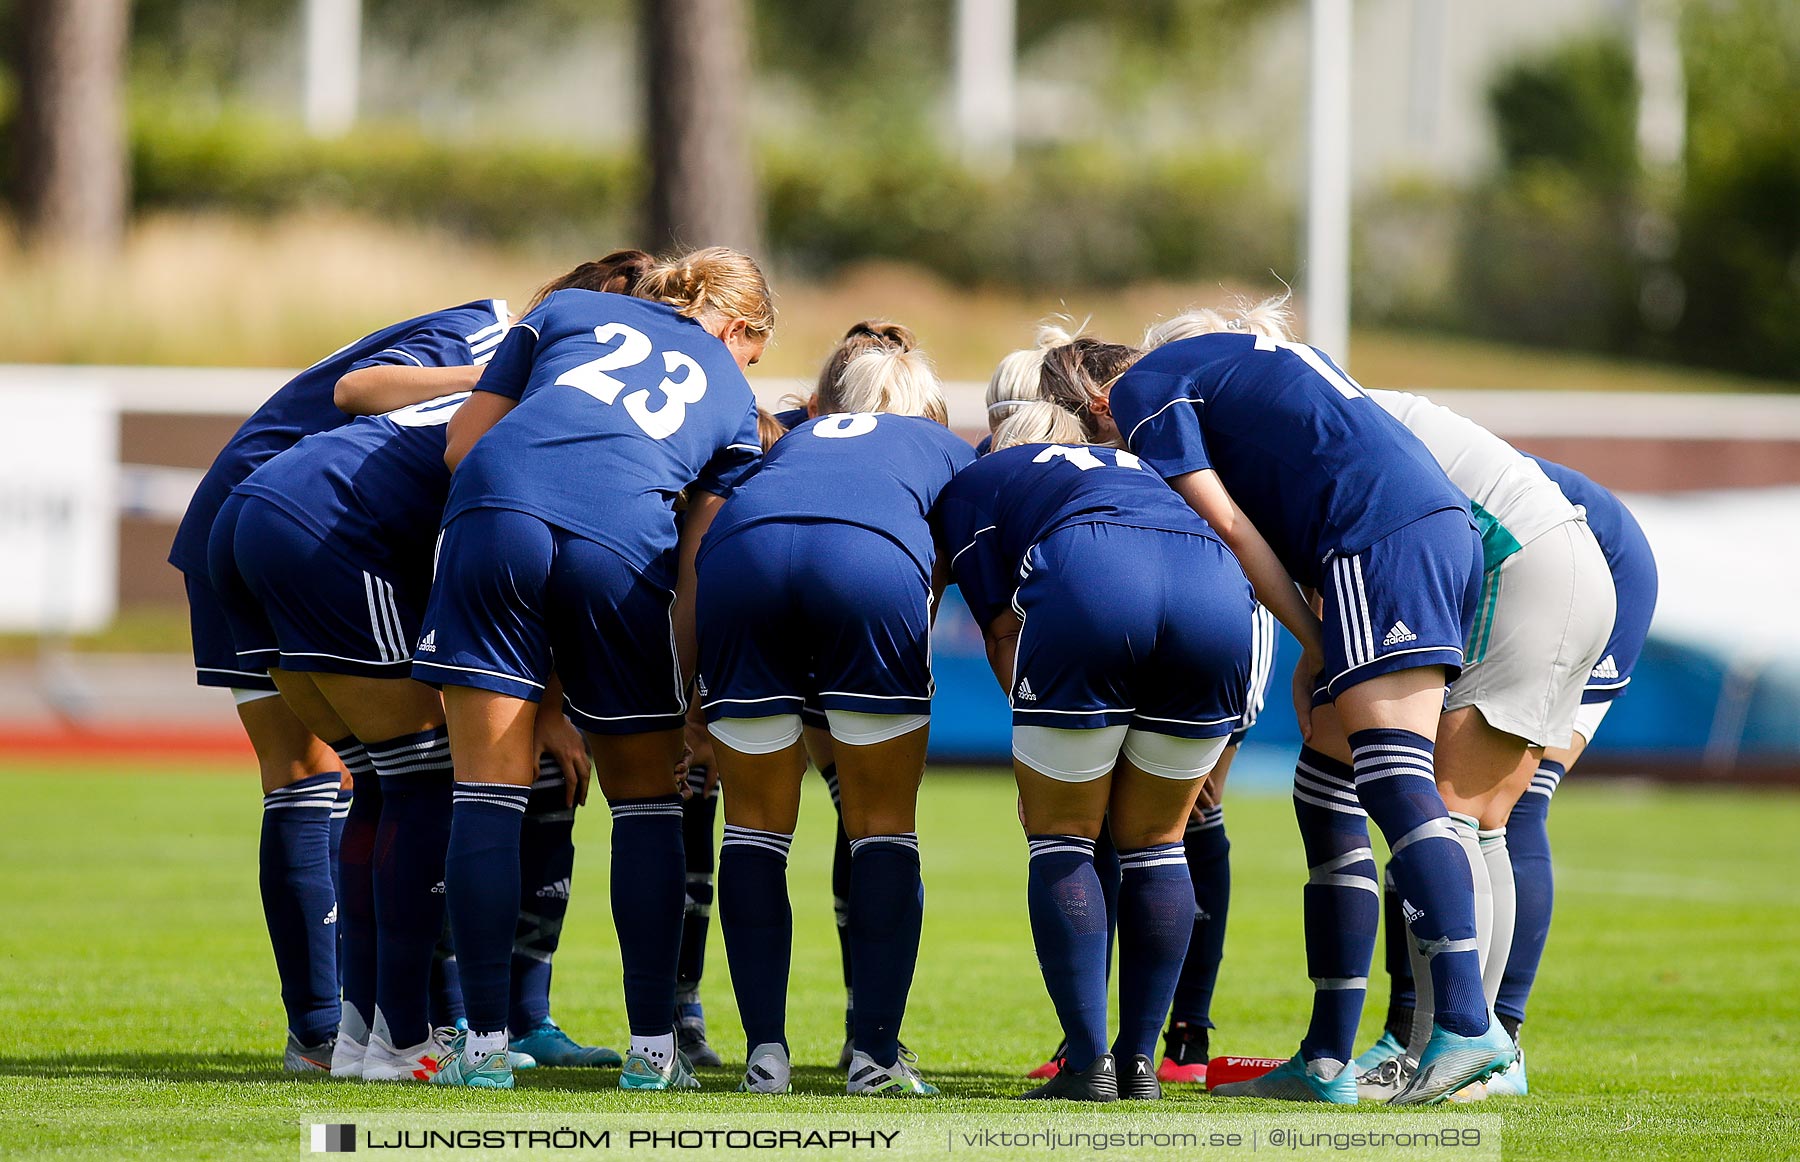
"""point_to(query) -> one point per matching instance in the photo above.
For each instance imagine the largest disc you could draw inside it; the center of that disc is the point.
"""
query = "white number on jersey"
(1346, 387)
(429, 414)
(634, 347)
(845, 425)
(1084, 458)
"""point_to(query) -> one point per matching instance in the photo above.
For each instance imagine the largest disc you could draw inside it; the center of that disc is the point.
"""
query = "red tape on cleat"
(1225, 1070)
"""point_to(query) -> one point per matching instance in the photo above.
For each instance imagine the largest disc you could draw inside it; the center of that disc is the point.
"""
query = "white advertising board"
(59, 522)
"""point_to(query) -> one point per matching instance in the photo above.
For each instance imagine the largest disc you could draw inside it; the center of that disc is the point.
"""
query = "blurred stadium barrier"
(1715, 480)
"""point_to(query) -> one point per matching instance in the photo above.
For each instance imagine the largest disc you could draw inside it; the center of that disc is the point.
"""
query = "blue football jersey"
(792, 418)
(879, 472)
(1004, 503)
(449, 338)
(1622, 539)
(373, 489)
(622, 405)
(1314, 463)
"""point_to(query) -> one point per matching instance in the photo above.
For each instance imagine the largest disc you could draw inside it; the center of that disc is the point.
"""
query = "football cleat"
(1138, 1082)
(867, 1079)
(351, 1045)
(383, 1062)
(298, 1058)
(552, 1048)
(1053, 1065)
(1185, 1049)
(1098, 1082)
(1451, 1062)
(1388, 1046)
(1296, 1080)
(1383, 1081)
(690, 1032)
(768, 1071)
(1509, 1082)
(642, 1073)
(491, 1071)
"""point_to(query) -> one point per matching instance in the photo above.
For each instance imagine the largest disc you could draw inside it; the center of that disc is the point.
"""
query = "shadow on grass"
(255, 1068)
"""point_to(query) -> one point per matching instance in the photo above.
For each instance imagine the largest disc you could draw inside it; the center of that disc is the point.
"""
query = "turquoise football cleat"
(555, 1049)
(1385, 1049)
(1451, 1062)
(1297, 1080)
(493, 1070)
(1509, 1082)
(642, 1073)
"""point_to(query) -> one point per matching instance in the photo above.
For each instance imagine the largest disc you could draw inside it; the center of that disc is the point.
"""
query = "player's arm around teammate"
(306, 796)
(817, 579)
(1120, 627)
(1311, 484)
(329, 558)
(560, 539)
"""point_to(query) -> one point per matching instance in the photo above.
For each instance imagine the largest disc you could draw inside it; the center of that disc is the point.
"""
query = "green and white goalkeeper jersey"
(1514, 502)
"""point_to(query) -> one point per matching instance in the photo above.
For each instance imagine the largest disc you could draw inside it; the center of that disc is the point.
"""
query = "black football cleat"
(1098, 1082)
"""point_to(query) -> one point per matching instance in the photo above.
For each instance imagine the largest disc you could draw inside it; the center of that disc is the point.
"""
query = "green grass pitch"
(139, 1010)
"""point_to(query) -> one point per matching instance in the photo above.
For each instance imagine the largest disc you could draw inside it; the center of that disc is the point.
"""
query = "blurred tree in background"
(523, 120)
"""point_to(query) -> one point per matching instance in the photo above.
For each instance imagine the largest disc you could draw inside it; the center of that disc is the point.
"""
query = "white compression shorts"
(780, 731)
(1081, 756)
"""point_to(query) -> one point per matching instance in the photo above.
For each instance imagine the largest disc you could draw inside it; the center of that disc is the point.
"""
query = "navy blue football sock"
(1341, 902)
(759, 929)
(340, 813)
(1209, 866)
(699, 820)
(446, 982)
(1156, 920)
(1401, 995)
(356, 885)
(887, 907)
(1396, 783)
(481, 874)
(546, 874)
(1534, 883)
(1068, 926)
(299, 903)
(840, 889)
(649, 872)
(416, 785)
(1106, 866)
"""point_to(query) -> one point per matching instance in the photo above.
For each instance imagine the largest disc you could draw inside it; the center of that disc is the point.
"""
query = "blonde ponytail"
(1269, 319)
(890, 380)
(1016, 379)
(1038, 422)
(713, 283)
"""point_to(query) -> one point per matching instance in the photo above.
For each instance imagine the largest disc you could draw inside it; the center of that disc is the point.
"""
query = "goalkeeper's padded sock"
(482, 877)
(1534, 888)
(546, 876)
(1068, 926)
(759, 928)
(299, 903)
(1208, 852)
(1341, 902)
(1156, 921)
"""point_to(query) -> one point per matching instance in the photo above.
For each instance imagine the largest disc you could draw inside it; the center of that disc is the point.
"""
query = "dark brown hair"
(615, 274)
(1082, 371)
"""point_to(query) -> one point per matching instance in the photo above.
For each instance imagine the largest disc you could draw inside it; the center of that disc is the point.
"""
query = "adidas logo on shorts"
(331, 916)
(1025, 694)
(1399, 635)
(1608, 668)
(428, 644)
